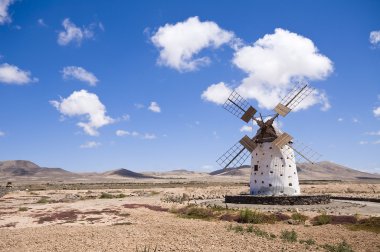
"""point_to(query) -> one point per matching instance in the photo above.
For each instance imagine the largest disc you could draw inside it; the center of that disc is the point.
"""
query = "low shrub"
(322, 219)
(105, 195)
(371, 224)
(43, 200)
(289, 236)
(340, 247)
(23, 209)
(299, 217)
(255, 217)
(307, 242)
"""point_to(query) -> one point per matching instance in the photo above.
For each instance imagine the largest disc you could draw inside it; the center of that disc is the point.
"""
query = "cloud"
(122, 133)
(41, 22)
(4, 15)
(363, 142)
(374, 37)
(88, 107)
(2, 133)
(355, 120)
(90, 144)
(79, 73)
(10, 74)
(246, 128)
(376, 142)
(154, 107)
(376, 112)
(139, 105)
(274, 62)
(149, 136)
(181, 42)
(373, 133)
(146, 136)
(73, 33)
(126, 117)
(217, 93)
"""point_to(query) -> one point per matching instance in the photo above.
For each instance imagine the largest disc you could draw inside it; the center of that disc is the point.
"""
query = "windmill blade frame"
(234, 156)
(239, 107)
(293, 98)
(304, 152)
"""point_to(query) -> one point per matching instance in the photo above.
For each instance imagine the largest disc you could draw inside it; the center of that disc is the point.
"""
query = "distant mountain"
(330, 170)
(23, 168)
(306, 171)
(126, 173)
(238, 171)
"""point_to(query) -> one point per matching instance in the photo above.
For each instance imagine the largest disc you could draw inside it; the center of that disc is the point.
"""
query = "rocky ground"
(135, 219)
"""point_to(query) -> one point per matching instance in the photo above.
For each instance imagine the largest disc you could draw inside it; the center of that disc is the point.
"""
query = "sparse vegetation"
(255, 217)
(307, 242)
(289, 236)
(146, 249)
(43, 200)
(340, 247)
(251, 229)
(23, 209)
(322, 219)
(371, 224)
(122, 223)
(299, 217)
(105, 195)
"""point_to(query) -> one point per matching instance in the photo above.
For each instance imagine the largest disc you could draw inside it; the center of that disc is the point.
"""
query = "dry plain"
(182, 216)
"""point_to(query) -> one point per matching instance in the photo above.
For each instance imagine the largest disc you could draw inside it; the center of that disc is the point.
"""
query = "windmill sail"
(304, 152)
(234, 156)
(238, 106)
(293, 99)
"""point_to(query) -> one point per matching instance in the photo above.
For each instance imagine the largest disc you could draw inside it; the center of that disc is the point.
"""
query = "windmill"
(273, 160)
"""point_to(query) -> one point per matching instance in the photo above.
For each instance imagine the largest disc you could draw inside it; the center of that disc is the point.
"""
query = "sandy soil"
(77, 220)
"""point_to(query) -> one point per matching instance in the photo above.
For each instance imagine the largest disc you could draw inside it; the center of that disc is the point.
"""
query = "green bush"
(322, 219)
(23, 209)
(105, 195)
(289, 236)
(341, 247)
(43, 200)
(371, 224)
(255, 217)
(299, 217)
(308, 242)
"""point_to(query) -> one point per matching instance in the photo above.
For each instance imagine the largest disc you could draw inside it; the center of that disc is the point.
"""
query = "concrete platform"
(278, 200)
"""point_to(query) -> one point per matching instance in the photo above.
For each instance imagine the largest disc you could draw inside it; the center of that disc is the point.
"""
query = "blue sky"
(132, 74)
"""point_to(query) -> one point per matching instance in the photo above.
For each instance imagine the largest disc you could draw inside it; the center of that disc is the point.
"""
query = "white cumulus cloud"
(374, 37)
(217, 93)
(4, 15)
(149, 136)
(154, 107)
(2, 133)
(73, 33)
(179, 43)
(246, 128)
(79, 73)
(275, 61)
(10, 74)
(376, 112)
(88, 107)
(90, 144)
(122, 133)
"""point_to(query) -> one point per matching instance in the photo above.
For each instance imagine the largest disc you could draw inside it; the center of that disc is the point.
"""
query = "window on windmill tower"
(255, 167)
(290, 184)
(270, 185)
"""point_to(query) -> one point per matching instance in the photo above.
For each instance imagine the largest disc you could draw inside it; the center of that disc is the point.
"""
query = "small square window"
(270, 185)
(255, 167)
(290, 184)
(262, 182)
(255, 181)
(271, 171)
(270, 148)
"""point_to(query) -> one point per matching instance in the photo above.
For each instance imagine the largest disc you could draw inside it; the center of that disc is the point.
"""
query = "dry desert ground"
(184, 217)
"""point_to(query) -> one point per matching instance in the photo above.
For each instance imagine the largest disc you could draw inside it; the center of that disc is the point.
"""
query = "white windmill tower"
(273, 165)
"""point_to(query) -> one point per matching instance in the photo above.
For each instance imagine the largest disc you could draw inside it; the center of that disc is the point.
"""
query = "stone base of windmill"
(278, 200)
